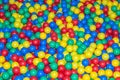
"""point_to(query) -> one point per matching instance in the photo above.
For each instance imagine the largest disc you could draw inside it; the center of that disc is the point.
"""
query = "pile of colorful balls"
(59, 39)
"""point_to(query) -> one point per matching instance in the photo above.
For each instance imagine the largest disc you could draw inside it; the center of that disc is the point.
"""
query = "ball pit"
(59, 39)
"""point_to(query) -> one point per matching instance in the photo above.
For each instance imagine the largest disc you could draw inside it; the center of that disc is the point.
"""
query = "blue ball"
(43, 42)
(29, 33)
(85, 62)
(9, 40)
(115, 45)
(18, 78)
(32, 48)
(43, 48)
(24, 51)
(15, 37)
(45, 17)
(103, 78)
(60, 49)
(51, 51)
(41, 73)
(5, 1)
(27, 74)
(112, 56)
(110, 66)
(60, 56)
(1, 45)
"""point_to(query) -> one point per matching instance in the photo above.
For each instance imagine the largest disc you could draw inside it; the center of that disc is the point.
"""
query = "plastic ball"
(54, 74)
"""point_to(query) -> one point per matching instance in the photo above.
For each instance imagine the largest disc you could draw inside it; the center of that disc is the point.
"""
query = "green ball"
(112, 79)
(114, 8)
(1, 78)
(79, 50)
(37, 34)
(107, 26)
(46, 12)
(25, 9)
(6, 23)
(27, 15)
(8, 46)
(11, 19)
(68, 57)
(98, 42)
(40, 19)
(70, 13)
(116, 51)
(40, 66)
(7, 14)
(1, 25)
(10, 71)
(33, 72)
(118, 12)
(68, 6)
(5, 75)
(107, 19)
(68, 1)
(104, 41)
(12, 50)
(6, 7)
(18, 30)
(68, 66)
(52, 44)
(53, 66)
(24, 20)
(51, 59)
(83, 47)
(7, 35)
(57, 45)
(81, 34)
(57, 30)
(79, 43)
(21, 11)
(93, 15)
(43, 78)
(87, 11)
(70, 42)
(74, 77)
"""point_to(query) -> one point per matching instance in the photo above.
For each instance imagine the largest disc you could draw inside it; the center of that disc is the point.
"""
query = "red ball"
(105, 9)
(109, 31)
(107, 62)
(3, 40)
(45, 24)
(41, 29)
(16, 70)
(106, 46)
(72, 35)
(20, 59)
(35, 29)
(67, 72)
(118, 57)
(40, 13)
(75, 22)
(35, 0)
(117, 68)
(29, 24)
(74, 71)
(1, 14)
(102, 64)
(4, 52)
(95, 61)
(110, 42)
(36, 42)
(14, 57)
(54, 38)
(118, 78)
(20, 0)
(92, 9)
(57, 1)
(14, 32)
(60, 75)
(63, 30)
(66, 78)
(61, 68)
(82, 8)
(115, 33)
(29, 60)
(22, 35)
(95, 68)
(30, 67)
(13, 77)
(47, 69)
(33, 78)
(98, 25)
(22, 63)
(45, 61)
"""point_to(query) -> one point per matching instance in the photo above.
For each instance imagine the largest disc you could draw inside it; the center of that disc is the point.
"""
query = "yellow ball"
(68, 18)
(41, 54)
(51, 15)
(74, 65)
(43, 7)
(105, 56)
(69, 25)
(47, 30)
(26, 44)
(92, 27)
(6, 65)
(100, 46)
(1, 34)
(101, 35)
(17, 24)
(2, 59)
(115, 62)
(75, 58)
(93, 45)
(29, 55)
(88, 54)
(43, 36)
(15, 44)
(33, 17)
(81, 70)
(98, 52)
(37, 6)
(77, 11)
(36, 61)
(87, 36)
(108, 73)
(31, 9)
(116, 74)
(75, 47)
(63, 43)
(49, 2)
(69, 48)
(15, 64)
(23, 69)
(61, 62)
(26, 78)
(93, 75)
(54, 74)
(101, 72)
(88, 69)
(86, 77)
